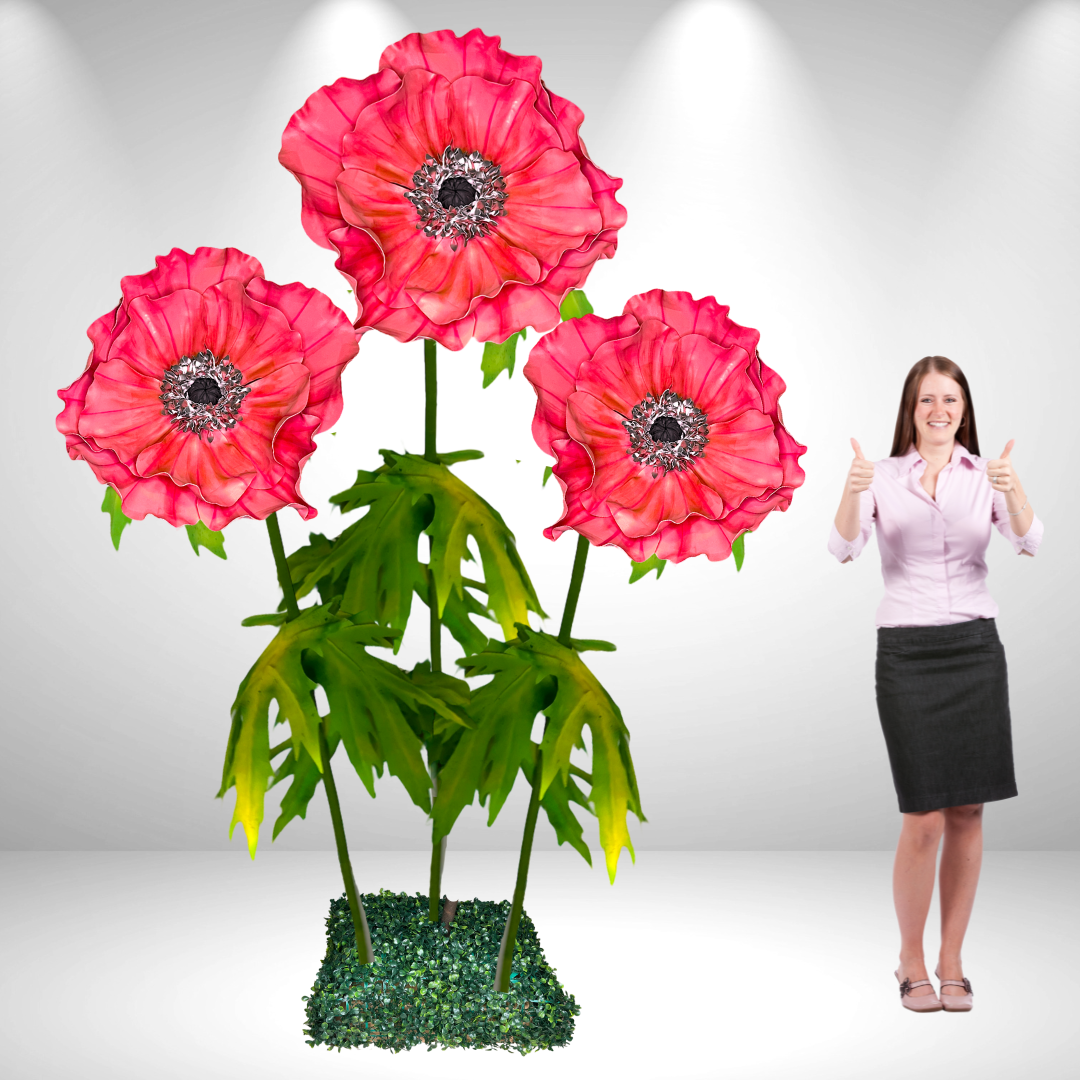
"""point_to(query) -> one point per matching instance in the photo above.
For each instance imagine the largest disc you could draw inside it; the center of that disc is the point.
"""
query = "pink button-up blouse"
(932, 550)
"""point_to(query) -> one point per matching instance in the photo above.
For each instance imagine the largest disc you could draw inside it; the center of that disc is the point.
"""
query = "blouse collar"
(913, 457)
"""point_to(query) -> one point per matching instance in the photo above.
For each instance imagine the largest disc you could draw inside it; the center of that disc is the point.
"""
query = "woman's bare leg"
(961, 859)
(913, 886)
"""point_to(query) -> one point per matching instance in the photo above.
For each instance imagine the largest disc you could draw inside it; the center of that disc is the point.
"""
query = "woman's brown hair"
(904, 436)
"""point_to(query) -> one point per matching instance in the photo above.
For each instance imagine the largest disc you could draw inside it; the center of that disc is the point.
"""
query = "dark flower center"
(202, 394)
(666, 433)
(456, 191)
(666, 429)
(457, 196)
(205, 391)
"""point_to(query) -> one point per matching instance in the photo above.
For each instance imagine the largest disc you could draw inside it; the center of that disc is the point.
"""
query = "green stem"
(284, 576)
(576, 576)
(509, 938)
(363, 936)
(431, 399)
(364, 952)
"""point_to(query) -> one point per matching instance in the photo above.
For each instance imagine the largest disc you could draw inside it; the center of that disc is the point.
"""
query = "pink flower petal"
(742, 457)
(255, 337)
(549, 207)
(393, 136)
(685, 315)
(500, 122)
(219, 470)
(444, 53)
(623, 372)
(327, 339)
(311, 146)
(715, 377)
(444, 285)
(122, 410)
(644, 503)
(160, 331)
(179, 270)
(553, 367)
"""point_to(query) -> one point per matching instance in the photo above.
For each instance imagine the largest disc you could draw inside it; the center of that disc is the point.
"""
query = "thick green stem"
(572, 594)
(509, 938)
(438, 857)
(431, 398)
(364, 952)
(284, 576)
(363, 936)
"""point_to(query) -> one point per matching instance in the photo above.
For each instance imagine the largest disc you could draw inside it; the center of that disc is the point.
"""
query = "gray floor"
(750, 965)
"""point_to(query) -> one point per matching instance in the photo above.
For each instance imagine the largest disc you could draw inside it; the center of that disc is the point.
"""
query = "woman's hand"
(999, 472)
(858, 480)
(861, 472)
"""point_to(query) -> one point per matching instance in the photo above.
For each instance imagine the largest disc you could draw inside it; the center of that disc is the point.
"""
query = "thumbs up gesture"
(861, 472)
(1000, 471)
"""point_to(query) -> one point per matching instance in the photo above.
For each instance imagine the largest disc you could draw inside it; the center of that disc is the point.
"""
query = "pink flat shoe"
(956, 1002)
(921, 1002)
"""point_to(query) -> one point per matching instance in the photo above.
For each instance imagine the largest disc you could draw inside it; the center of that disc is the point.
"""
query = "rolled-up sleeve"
(845, 549)
(1029, 542)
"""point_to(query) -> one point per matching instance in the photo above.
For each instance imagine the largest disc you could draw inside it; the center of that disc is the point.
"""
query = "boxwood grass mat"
(432, 983)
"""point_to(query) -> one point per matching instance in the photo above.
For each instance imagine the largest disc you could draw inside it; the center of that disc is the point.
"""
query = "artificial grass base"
(432, 983)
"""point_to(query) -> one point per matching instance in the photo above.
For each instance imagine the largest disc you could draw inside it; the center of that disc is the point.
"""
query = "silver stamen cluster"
(462, 223)
(193, 416)
(668, 454)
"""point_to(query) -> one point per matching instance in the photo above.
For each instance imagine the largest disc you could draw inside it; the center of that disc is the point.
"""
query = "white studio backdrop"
(864, 183)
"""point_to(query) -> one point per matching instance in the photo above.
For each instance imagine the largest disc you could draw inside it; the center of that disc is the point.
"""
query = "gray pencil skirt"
(943, 701)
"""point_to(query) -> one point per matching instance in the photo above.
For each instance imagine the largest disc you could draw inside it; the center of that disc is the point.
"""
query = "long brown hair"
(904, 436)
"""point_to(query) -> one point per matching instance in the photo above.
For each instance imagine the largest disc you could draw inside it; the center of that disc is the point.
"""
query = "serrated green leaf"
(459, 612)
(456, 456)
(487, 758)
(638, 570)
(274, 618)
(368, 698)
(374, 566)
(579, 701)
(548, 473)
(276, 676)
(305, 780)
(574, 305)
(591, 645)
(118, 520)
(201, 536)
(500, 356)
(556, 803)
(738, 550)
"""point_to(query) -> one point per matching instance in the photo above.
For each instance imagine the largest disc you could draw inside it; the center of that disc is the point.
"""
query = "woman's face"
(939, 408)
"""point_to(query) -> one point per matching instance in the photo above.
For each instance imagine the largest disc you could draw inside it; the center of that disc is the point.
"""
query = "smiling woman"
(942, 688)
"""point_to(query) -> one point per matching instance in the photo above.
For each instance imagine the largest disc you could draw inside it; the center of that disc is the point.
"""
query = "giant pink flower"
(205, 387)
(455, 189)
(666, 427)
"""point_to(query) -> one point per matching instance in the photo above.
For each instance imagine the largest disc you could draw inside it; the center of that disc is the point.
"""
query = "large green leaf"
(556, 803)
(279, 676)
(530, 674)
(305, 780)
(487, 758)
(276, 676)
(374, 565)
(369, 699)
